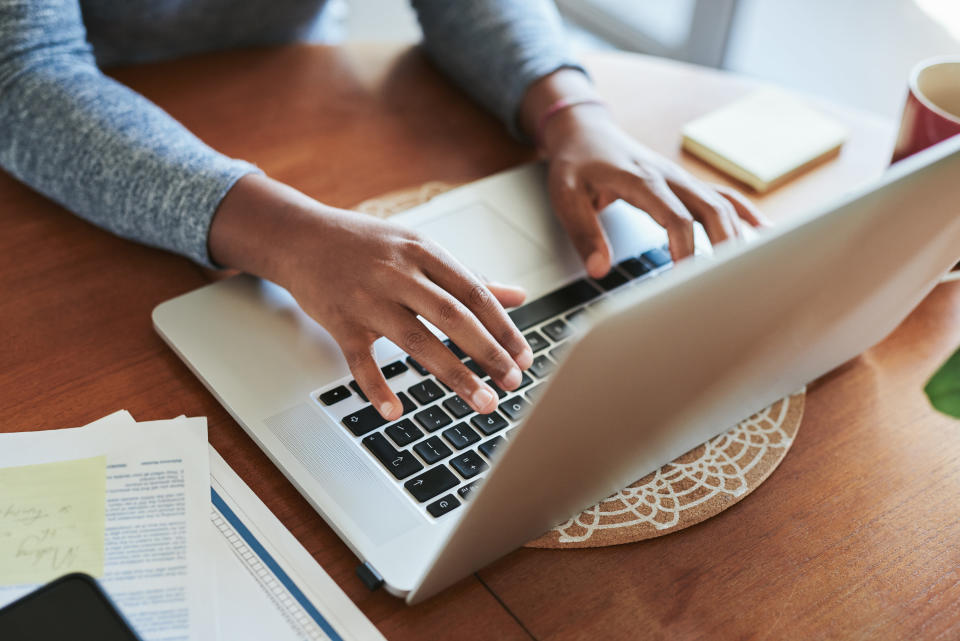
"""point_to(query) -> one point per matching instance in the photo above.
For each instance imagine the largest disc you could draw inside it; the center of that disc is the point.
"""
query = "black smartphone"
(72, 607)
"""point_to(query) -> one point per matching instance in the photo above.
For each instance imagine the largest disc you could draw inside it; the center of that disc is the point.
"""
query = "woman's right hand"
(363, 278)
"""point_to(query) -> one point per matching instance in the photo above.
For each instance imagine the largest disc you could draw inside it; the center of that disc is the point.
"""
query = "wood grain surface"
(852, 537)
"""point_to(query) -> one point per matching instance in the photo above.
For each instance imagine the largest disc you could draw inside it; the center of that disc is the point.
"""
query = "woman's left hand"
(592, 162)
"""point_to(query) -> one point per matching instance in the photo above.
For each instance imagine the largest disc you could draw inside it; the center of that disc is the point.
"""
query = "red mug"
(932, 111)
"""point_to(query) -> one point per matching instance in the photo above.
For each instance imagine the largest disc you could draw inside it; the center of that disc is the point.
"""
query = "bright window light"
(944, 12)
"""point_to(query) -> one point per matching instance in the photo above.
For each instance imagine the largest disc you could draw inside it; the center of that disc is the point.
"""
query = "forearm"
(113, 158)
(96, 147)
(495, 49)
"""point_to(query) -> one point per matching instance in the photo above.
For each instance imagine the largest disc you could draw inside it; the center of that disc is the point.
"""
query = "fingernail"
(525, 358)
(512, 379)
(386, 410)
(483, 397)
(595, 264)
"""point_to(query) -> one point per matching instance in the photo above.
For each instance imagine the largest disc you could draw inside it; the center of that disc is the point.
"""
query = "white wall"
(855, 51)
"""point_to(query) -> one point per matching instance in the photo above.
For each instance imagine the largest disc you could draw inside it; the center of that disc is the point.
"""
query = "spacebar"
(562, 300)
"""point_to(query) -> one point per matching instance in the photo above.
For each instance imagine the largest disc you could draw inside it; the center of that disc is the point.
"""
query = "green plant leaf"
(943, 388)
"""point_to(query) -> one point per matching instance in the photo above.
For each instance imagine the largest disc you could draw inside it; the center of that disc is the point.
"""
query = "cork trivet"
(396, 201)
(690, 489)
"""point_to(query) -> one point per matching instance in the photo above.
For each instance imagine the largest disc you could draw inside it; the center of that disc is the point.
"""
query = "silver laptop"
(631, 371)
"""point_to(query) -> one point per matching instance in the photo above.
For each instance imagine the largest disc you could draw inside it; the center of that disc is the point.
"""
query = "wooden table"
(854, 536)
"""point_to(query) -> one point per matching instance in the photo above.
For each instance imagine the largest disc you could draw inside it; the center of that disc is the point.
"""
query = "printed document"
(150, 510)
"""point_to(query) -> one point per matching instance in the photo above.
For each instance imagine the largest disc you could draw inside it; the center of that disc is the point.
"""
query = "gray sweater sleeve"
(97, 148)
(495, 49)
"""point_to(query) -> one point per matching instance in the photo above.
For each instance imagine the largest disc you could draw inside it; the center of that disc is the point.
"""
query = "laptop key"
(535, 391)
(417, 366)
(355, 386)
(441, 506)
(475, 368)
(431, 483)
(368, 418)
(468, 489)
(536, 341)
(489, 447)
(524, 381)
(363, 420)
(557, 330)
(657, 257)
(515, 408)
(426, 391)
(432, 418)
(461, 436)
(557, 302)
(432, 450)
(457, 407)
(574, 317)
(393, 369)
(612, 280)
(635, 267)
(335, 395)
(495, 388)
(468, 464)
(406, 403)
(489, 423)
(541, 366)
(558, 352)
(401, 463)
(459, 353)
(403, 432)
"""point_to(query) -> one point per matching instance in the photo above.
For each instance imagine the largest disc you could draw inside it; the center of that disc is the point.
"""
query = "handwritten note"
(52, 520)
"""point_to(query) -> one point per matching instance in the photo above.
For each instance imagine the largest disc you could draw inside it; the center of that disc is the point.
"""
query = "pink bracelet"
(561, 105)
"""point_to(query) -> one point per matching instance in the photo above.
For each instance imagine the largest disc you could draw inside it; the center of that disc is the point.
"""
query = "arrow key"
(432, 482)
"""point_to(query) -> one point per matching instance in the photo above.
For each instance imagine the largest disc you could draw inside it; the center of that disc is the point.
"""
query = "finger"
(450, 275)
(652, 195)
(402, 327)
(745, 209)
(507, 295)
(363, 366)
(458, 322)
(578, 216)
(715, 213)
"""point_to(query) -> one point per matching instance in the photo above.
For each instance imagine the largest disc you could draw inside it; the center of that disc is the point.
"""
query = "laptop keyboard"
(441, 449)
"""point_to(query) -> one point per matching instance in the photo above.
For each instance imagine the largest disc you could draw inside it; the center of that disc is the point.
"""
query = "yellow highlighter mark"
(52, 520)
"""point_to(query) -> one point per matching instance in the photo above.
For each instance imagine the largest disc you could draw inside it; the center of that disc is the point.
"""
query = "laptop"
(631, 371)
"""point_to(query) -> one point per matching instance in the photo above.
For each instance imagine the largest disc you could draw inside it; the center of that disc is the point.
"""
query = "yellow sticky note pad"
(764, 139)
(52, 520)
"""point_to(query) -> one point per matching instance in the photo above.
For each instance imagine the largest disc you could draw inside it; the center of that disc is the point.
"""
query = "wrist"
(258, 224)
(547, 92)
(582, 123)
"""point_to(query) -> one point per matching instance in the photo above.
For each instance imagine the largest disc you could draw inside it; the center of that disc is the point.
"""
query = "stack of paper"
(174, 536)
